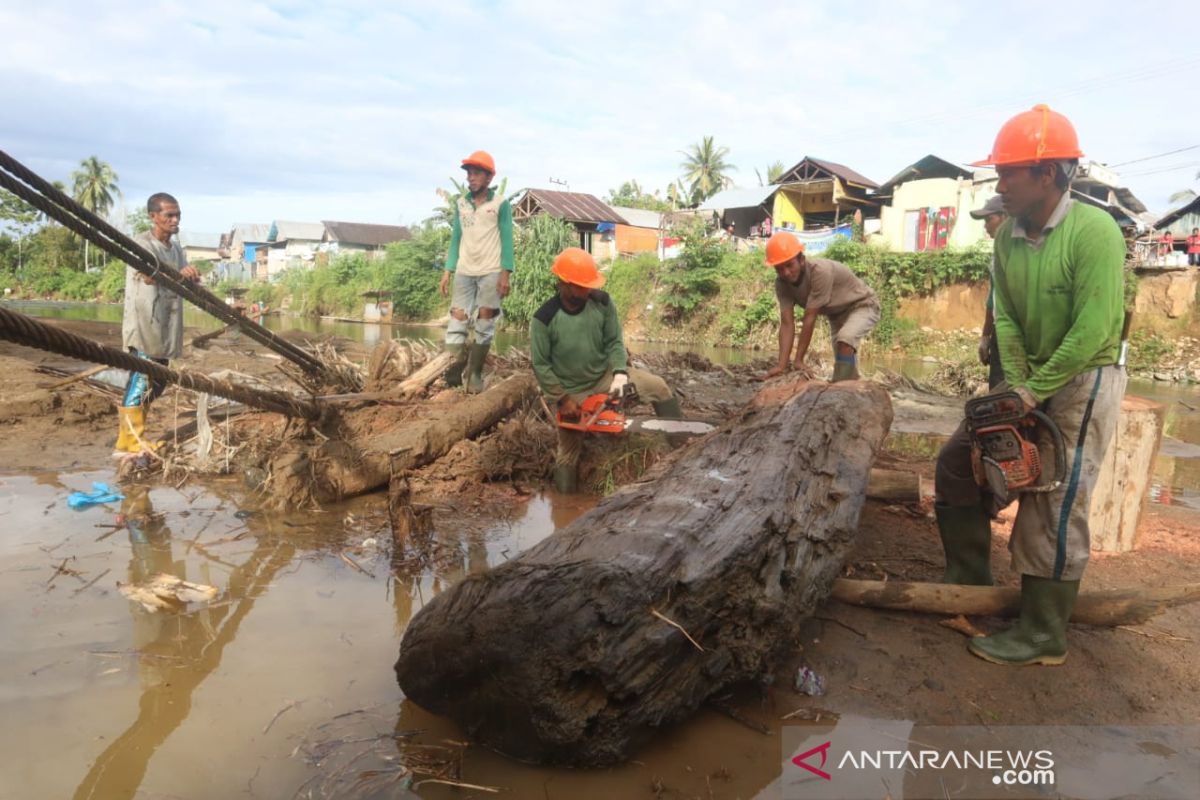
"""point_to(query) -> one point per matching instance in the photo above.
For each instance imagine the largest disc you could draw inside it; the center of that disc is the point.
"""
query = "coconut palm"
(704, 169)
(95, 184)
(774, 173)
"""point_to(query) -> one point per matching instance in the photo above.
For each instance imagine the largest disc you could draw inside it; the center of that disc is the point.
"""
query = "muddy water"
(284, 681)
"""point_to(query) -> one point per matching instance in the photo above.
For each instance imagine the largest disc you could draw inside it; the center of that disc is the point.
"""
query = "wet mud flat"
(283, 685)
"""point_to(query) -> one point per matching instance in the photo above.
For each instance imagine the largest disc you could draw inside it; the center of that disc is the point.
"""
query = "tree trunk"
(1125, 475)
(696, 578)
(1104, 607)
(374, 444)
(897, 486)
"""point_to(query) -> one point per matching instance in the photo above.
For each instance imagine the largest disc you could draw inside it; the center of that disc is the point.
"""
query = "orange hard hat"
(1031, 136)
(481, 159)
(575, 265)
(782, 247)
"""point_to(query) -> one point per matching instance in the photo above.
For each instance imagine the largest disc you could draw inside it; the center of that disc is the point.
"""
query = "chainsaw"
(605, 413)
(1005, 458)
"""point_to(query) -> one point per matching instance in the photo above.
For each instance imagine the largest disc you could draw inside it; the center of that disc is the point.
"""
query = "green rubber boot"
(475, 367)
(966, 535)
(1040, 635)
(845, 370)
(453, 373)
(565, 478)
(668, 409)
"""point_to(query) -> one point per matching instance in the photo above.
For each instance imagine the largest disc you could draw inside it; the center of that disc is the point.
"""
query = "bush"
(694, 276)
(536, 242)
(1147, 350)
(631, 281)
(78, 285)
(111, 286)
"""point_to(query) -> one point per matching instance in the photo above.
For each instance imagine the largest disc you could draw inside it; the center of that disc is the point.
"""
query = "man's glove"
(617, 387)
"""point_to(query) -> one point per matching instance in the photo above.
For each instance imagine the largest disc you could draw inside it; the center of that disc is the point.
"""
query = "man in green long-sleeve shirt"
(1058, 308)
(480, 259)
(577, 350)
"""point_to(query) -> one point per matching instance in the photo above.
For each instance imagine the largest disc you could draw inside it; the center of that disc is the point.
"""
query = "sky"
(355, 110)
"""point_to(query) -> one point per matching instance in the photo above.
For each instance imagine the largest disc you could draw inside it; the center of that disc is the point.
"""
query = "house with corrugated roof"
(199, 246)
(816, 193)
(361, 237)
(291, 244)
(595, 221)
(927, 205)
(640, 233)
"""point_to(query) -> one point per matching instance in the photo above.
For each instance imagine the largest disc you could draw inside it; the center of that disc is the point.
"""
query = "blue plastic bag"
(100, 494)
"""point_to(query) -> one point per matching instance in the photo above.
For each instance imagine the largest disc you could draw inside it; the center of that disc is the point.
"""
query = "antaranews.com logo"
(1008, 767)
(855, 757)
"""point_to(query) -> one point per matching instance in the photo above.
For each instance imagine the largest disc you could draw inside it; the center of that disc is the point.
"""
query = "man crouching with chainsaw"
(577, 349)
(1058, 309)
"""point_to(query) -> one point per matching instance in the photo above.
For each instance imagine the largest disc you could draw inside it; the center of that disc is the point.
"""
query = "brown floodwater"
(282, 685)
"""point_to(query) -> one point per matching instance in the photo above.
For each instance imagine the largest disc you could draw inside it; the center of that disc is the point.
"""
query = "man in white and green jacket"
(481, 259)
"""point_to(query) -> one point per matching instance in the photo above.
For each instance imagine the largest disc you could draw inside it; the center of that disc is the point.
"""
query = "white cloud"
(358, 109)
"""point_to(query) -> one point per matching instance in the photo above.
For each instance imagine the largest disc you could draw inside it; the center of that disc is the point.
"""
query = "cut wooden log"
(1102, 607)
(696, 578)
(364, 458)
(897, 486)
(1125, 475)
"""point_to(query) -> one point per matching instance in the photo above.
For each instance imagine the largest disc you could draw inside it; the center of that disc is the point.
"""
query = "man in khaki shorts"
(822, 288)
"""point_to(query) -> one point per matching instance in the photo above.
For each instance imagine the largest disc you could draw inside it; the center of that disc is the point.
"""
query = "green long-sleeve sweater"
(1059, 306)
(572, 351)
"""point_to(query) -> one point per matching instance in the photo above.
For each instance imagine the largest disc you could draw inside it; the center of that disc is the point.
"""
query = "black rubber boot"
(1040, 635)
(475, 367)
(668, 409)
(453, 373)
(966, 535)
(845, 371)
(565, 478)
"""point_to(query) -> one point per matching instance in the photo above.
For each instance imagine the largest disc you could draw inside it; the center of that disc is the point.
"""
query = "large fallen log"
(1103, 607)
(673, 588)
(363, 459)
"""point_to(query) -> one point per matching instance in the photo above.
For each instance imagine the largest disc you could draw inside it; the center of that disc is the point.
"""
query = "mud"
(286, 681)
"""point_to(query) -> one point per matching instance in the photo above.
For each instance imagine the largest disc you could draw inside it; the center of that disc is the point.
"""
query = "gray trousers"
(471, 293)
(1051, 537)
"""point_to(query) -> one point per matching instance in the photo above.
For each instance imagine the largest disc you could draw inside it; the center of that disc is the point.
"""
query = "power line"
(1172, 168)
(1156, 155)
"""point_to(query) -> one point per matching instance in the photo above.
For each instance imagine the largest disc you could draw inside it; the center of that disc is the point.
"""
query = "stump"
(698, 577)
(1125, 475)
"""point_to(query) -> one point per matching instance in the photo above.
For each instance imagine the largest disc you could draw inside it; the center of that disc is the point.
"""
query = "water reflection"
(177, 651)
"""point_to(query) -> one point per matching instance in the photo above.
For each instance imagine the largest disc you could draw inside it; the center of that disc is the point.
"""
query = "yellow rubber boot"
(135, 421)
(125, 438)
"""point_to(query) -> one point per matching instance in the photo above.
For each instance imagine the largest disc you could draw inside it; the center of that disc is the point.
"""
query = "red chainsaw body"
(598, 413)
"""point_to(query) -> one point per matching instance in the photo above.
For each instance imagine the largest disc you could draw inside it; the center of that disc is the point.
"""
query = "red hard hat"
(575, 265)
(782, 247)
(1032, 136)
(481, 159)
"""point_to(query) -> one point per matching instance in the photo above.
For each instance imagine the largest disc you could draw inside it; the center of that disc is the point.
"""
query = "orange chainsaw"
(1004, 453)
(605, 413)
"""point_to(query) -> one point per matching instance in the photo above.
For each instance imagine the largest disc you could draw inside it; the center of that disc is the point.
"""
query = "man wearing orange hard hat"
(577, 350)
(1059, 298)
(480, 259)
(821, 287)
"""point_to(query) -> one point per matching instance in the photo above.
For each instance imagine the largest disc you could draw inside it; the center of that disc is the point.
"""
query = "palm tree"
(704, 169)
(95, 184)
(774, 172)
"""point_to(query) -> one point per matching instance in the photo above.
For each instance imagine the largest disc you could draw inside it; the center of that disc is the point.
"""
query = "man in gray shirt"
(152, 327)
(822, 288)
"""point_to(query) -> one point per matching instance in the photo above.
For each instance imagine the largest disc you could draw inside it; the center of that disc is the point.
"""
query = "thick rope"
(54, 203)
(23, 330)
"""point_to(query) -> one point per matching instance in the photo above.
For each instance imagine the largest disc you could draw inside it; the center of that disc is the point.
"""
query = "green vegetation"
(536, 243)
(1148, 350)
(705, 170)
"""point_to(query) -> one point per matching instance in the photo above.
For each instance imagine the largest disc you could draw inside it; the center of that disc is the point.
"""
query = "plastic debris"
(164, 592)
(101, 493)
(809, 682)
